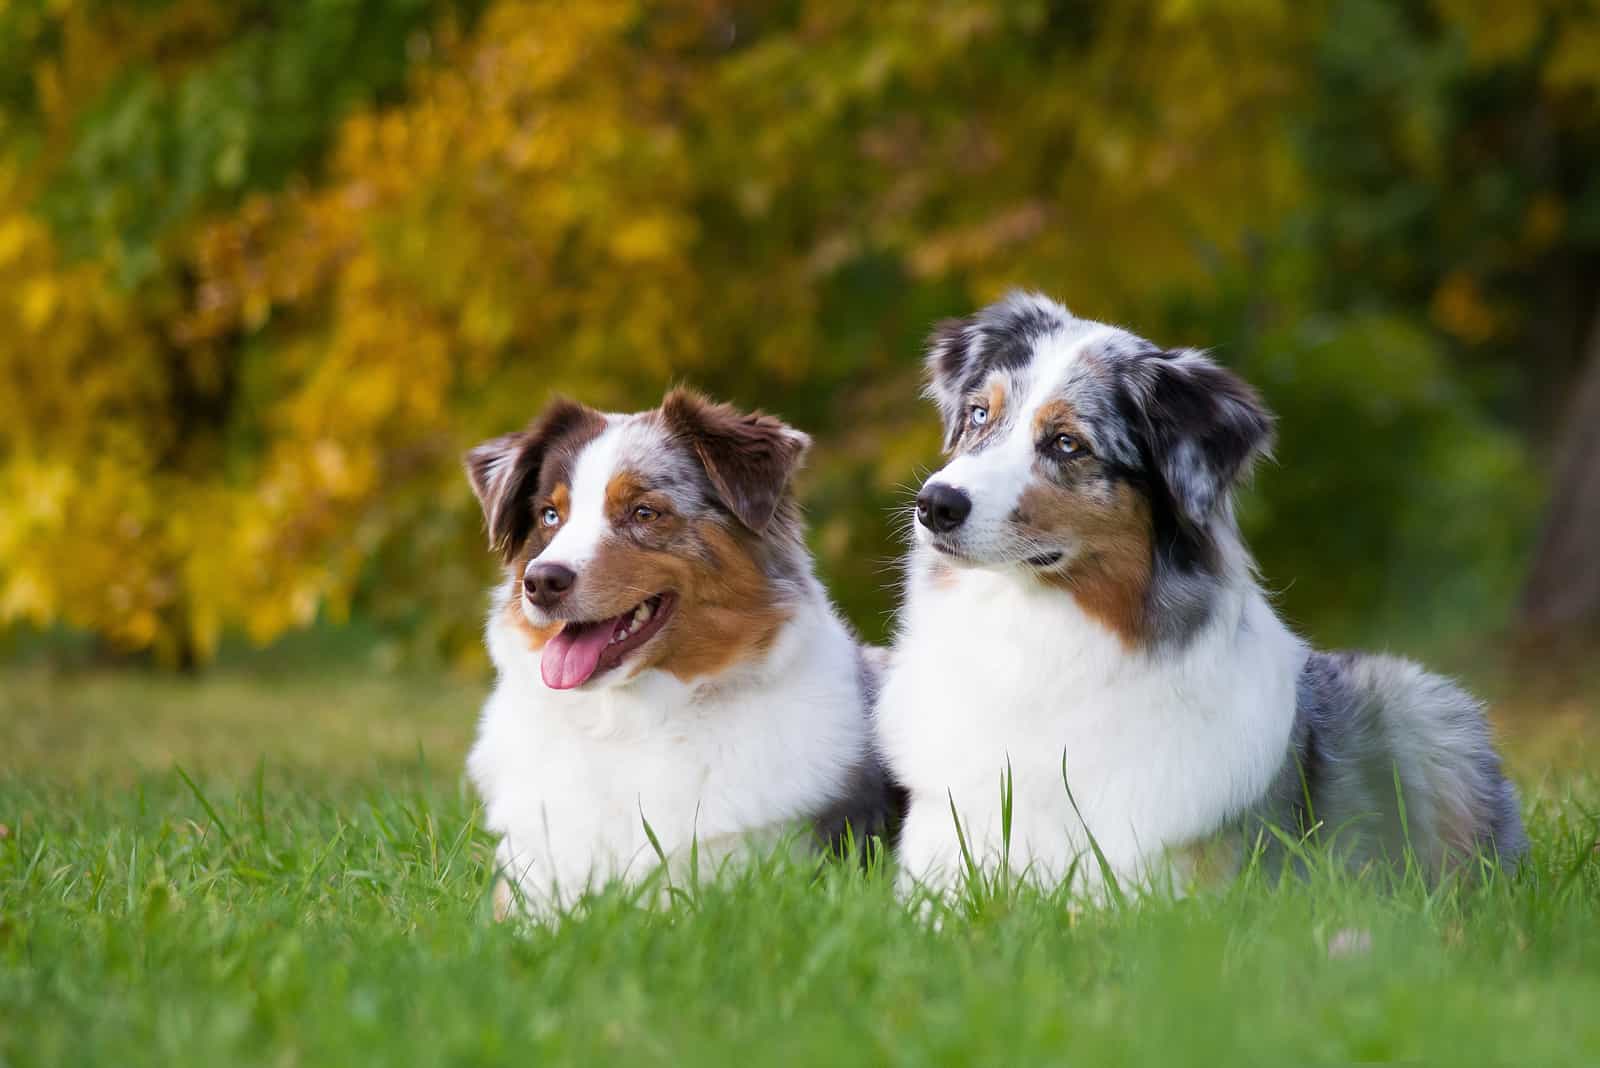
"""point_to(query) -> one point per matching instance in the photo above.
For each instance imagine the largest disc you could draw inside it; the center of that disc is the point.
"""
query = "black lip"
(1049, 559)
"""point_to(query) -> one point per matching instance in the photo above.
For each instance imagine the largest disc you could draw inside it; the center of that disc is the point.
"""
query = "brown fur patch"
(748, 456)
(1058, 417)
(561, 499)
(1109, 523)
(726, 610)
(1110, 576)
(623, 489)
(994, 396)
(727, 614)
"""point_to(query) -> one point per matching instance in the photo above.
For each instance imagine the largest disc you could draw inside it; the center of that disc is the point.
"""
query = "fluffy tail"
(1392, 757)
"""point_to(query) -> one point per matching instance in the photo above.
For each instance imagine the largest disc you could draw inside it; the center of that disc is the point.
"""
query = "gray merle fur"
(871, 804)
(1181, 429)
(1373, 732)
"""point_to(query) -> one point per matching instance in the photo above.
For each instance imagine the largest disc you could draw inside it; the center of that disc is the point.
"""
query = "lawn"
(277, 866)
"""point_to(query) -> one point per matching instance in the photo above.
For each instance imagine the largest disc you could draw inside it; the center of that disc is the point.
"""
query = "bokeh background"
(267, 269)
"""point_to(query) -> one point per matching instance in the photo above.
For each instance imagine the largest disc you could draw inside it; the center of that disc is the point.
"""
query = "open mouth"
(580, 651)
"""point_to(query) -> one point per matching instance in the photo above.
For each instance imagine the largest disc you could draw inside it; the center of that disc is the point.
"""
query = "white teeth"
(640, 617)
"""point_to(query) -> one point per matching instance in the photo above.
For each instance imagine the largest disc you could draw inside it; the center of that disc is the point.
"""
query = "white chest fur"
(993, 669)
(568, 778)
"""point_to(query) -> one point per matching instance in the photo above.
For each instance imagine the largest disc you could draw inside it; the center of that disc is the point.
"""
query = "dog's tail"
(1392, 758)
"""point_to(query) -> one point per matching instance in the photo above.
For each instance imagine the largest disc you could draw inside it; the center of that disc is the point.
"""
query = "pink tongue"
(569, 658)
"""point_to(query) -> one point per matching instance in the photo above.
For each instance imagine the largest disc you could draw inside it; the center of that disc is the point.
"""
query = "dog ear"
(749, 456)
(953, 347)
(1205, 425)
(504, 472)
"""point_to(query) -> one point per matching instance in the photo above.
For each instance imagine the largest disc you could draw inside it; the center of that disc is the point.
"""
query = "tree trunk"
(1562, 596)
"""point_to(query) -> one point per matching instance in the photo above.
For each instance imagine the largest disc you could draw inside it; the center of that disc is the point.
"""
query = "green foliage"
(304, 262)
(1452, 183)
(1414, 513)
(1393, 508)
(195, 104)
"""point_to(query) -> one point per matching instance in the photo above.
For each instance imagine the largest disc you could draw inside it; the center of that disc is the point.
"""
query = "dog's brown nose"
(547, 584)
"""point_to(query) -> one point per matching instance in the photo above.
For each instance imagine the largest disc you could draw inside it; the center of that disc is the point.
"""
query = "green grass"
(312, 888)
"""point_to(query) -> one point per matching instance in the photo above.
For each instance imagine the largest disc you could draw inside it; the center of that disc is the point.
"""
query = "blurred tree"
(123, 123)
(774, 203)
(283, 270)
(1458, 177)
(1563, 591)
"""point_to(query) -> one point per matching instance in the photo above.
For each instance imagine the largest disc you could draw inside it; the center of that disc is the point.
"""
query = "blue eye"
(550, 517)
(977, 415)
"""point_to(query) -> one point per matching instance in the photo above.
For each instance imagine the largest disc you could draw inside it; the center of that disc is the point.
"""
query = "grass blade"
(1107, 875)
(211, 813)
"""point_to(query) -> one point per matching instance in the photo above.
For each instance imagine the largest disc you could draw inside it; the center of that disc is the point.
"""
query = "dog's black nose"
(547, 584)
(941, 507)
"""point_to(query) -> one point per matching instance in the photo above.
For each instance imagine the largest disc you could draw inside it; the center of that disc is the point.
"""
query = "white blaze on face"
(585, 525)
(995, 476)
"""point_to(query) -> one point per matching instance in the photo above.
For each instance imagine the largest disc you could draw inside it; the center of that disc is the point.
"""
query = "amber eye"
(645, 514)
(1067, 445)
(977, 415)
(550, 516)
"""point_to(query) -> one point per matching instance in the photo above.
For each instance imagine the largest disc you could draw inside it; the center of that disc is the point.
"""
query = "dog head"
(667, 538)
(1086, 456)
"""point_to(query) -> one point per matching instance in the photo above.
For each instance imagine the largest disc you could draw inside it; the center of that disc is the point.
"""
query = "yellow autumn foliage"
(597, 199)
